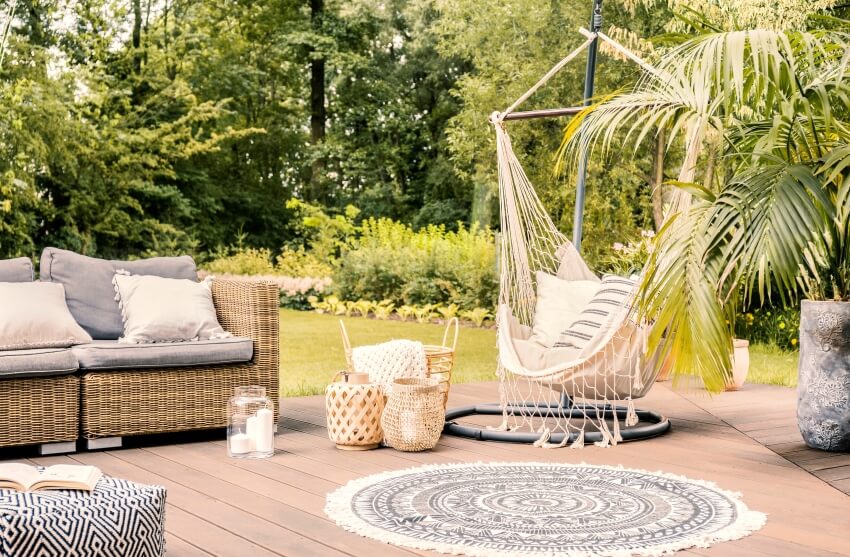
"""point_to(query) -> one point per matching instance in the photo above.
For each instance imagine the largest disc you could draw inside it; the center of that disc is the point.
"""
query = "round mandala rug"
(537, 509)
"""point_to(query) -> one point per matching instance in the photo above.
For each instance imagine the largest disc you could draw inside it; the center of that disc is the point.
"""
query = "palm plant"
(772, 214)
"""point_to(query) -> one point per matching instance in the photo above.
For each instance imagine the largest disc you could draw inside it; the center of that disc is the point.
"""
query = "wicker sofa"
(101, 406)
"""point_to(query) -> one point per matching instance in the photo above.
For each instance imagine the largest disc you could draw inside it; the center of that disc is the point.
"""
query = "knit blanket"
(389, 361)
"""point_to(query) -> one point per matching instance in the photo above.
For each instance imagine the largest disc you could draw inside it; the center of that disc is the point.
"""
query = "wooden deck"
(745, 441)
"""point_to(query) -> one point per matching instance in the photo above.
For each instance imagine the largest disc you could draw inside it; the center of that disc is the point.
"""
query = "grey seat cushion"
(111, 354)
(16, 270)
(89, 290)
(37, 362)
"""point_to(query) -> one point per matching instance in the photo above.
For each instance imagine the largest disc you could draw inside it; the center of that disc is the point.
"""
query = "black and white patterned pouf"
(118, 519)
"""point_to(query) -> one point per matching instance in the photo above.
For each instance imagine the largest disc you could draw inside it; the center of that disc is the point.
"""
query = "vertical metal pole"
(589, 77)
(581, 185)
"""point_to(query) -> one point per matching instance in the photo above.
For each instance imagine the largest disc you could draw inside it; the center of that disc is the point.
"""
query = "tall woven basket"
(440, 358)
(414, 416)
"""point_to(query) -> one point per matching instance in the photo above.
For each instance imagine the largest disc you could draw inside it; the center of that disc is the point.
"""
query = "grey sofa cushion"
(16, 270)
(111, 354)
(37, 362)
(88, 285)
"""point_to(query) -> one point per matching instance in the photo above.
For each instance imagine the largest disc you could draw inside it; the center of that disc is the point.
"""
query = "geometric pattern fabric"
(118, 519)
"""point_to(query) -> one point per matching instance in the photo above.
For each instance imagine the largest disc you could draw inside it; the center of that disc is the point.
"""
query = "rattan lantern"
(354, 413)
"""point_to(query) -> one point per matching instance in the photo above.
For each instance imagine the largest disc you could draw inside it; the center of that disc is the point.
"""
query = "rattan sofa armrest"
(251, 309)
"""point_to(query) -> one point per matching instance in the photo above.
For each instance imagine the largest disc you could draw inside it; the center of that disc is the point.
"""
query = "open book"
(24, 477)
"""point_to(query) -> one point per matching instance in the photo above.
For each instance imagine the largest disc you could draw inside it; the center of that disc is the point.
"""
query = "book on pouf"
(23, 477)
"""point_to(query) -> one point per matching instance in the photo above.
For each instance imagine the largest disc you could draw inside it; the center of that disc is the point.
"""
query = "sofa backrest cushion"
(16, 270)
(88, 285)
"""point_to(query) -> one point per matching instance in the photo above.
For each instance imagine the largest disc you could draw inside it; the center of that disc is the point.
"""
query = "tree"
(89, 158)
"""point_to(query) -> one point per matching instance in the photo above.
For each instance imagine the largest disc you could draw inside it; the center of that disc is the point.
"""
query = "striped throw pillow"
(613, 294)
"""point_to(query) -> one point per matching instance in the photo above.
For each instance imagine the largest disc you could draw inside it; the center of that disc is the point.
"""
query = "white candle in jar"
(252, 424)
(264, 439)
(240, 443)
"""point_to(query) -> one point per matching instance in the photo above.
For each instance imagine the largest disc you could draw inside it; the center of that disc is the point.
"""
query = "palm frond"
(769, 219)
(678, 295)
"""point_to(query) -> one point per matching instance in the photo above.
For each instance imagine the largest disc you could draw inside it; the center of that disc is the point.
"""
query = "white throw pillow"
(35, 315)
(559, 302)
(157, 309)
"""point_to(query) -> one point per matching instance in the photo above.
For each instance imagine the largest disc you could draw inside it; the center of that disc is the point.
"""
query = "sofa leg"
(103, 443)
(47, 449)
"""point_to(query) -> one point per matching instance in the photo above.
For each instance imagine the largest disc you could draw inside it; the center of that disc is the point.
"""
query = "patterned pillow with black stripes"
(614, 293)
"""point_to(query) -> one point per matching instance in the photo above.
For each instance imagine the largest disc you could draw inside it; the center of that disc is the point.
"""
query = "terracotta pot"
(740, 364)
(664, 373)
(823, 392)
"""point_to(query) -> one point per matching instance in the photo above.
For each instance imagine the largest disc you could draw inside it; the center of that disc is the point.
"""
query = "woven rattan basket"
(440, 358)
(414, 415)
(354, 414)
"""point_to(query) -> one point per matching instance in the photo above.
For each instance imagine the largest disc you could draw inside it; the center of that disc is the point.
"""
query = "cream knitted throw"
(389, 361)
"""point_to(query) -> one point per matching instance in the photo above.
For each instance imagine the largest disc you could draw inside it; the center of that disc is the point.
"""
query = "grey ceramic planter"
(823, 394)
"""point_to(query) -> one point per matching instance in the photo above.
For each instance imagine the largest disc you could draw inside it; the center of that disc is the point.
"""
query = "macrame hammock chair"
(553, 397)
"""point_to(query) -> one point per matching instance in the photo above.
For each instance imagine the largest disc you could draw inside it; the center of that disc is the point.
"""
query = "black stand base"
(649, 425)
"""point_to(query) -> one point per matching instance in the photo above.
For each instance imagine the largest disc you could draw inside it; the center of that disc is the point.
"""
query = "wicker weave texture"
(138, 402)
(441, 360)
(414, 415)
(354, 415)
(42, 410)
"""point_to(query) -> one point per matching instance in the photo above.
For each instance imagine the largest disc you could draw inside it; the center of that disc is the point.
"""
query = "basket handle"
(453, 321)
(346, 343)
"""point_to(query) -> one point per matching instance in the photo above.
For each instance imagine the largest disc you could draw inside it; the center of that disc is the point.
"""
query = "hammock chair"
(540, 385)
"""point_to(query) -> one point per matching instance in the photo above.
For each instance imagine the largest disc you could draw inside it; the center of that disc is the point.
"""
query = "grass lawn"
(311, 351)
(771, 365)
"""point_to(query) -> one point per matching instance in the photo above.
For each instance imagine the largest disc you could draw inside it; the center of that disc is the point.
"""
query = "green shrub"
(448, 312)
(405, 312)
(326, 235)
(477, 316)
(242, 261)
(383, 309)
(424, 313)
(331, 305)
(391, 261)
(629, 258)
(770, 325)
(301, 263)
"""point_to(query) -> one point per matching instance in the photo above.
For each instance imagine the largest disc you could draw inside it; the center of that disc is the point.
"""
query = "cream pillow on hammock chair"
(559, 304)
